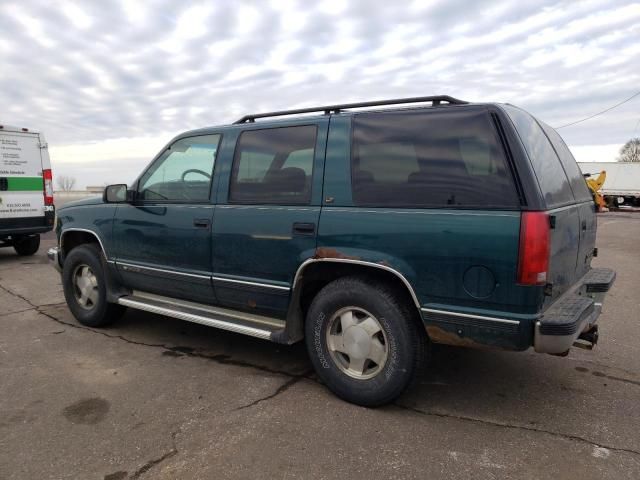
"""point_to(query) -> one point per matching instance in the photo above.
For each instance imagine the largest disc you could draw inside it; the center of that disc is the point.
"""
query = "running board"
(225, 319)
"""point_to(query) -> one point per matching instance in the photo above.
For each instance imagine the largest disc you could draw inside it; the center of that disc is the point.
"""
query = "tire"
(84, 285)
(354, 302)
(27, 246)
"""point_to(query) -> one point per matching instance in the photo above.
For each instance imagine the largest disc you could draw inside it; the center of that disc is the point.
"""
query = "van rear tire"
(27, 246)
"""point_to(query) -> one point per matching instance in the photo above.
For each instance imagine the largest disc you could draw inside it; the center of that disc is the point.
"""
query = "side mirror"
(116, 193)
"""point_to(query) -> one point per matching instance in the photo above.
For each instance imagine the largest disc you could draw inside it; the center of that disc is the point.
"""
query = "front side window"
(274, 166)
(421, 158)
(183, 172)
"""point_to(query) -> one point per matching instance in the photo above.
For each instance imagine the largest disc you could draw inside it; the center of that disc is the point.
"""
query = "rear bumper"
(574, 314)
(53, 254)
(10, 227)
(12, 232)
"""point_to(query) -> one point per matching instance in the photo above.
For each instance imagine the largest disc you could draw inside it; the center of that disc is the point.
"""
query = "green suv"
(369, 233)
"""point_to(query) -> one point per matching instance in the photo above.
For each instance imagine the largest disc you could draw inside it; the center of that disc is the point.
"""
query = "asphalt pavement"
(157, 398)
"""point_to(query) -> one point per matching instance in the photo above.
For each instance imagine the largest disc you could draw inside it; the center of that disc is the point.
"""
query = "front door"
(163, 239)
(266, 223)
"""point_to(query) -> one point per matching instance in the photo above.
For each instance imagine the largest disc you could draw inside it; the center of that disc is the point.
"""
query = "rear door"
(558, 197)
(584, 201)
(21, 182)
(267, 213)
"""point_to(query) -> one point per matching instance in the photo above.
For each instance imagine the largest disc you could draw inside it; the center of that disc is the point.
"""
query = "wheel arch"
(74, 237)
(315, 273)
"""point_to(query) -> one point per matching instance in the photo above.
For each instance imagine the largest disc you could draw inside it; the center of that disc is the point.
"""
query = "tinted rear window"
(432, 158)
(571, 168)
(546, 165)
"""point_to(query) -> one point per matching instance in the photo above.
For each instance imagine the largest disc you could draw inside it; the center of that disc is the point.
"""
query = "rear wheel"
(83, 281)
(27, 245)
(363, 341)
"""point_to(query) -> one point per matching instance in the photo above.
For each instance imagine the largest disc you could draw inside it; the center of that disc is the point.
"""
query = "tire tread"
(105, 313)
(392, 300)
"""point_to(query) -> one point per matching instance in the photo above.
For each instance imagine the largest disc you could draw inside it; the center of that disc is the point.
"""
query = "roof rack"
(328, 109)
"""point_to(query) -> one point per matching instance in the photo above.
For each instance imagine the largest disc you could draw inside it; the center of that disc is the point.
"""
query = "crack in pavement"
(566, 436)
(152, 463)
(32, 305)
(218, 358)
(228, 360)
(294, 378)
(617, 379)
(17, 295)
(281, 389)
(18, 311)
(38, 308)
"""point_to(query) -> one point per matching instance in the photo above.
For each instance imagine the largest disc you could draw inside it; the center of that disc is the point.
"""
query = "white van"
(26, 189)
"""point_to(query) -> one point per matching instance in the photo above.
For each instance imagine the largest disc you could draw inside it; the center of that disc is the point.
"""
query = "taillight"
(48, 187)
(533, 259)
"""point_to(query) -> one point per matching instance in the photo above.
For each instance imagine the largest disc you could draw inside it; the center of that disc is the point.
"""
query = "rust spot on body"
(252, 303)
(326, 252)
(440, 335)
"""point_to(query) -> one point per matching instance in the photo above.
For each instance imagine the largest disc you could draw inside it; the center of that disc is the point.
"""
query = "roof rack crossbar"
(328, 109)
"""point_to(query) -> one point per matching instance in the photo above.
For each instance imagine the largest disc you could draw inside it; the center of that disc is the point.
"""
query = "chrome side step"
(225, 319)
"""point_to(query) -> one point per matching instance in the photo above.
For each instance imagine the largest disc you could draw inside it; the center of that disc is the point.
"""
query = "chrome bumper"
(558, 344)
(53, 254)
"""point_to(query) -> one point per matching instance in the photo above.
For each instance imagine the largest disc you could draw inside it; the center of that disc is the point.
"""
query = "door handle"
(306, 229)
(201, 222)
(584, 225)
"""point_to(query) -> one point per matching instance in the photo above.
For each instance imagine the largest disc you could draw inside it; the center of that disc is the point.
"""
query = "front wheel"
(27, 246)
(83, 282)
(363, 341)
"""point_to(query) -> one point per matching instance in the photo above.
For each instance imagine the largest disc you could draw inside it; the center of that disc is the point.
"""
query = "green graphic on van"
(24, 184)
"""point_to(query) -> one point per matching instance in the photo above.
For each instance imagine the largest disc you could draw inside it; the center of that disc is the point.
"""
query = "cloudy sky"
(110, 82)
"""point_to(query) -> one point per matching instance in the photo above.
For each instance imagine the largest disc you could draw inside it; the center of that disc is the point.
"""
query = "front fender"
(96, 220)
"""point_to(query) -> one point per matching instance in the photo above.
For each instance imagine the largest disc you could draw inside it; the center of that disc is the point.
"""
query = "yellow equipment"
(595, 184)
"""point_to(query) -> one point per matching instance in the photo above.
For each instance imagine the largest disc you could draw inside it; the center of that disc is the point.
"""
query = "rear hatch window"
(551, 176)
(571, 168)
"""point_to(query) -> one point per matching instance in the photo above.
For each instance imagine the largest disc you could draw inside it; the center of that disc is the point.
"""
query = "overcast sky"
(110, 82)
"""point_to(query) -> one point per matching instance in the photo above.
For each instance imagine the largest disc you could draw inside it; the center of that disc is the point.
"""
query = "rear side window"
(274, 166)
(571, 168)
(432, 158)
(546, 165)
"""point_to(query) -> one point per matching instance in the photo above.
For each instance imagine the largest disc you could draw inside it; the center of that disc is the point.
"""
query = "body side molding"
(468, 315)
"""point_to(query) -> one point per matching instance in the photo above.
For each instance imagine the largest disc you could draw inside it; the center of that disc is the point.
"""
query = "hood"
(97, 200)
